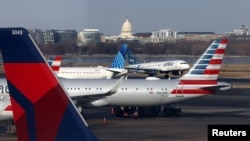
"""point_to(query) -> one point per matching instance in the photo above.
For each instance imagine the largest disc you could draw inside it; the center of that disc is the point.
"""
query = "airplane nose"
(186, 66)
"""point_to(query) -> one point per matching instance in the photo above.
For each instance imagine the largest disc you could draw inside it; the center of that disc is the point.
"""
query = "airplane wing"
(221, 86)
(119, 72)
(95, 96)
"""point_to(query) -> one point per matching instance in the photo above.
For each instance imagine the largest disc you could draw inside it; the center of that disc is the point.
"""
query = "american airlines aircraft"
(42, 108)
(201, 80)
(176, 67)
(116, 68)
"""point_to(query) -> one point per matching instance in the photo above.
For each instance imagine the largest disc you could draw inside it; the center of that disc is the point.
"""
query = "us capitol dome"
(126, 31)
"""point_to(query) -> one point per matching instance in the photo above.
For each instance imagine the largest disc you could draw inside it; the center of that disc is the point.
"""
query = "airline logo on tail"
(42, 109)
(205, 71)
(119, 60)
(55, 63)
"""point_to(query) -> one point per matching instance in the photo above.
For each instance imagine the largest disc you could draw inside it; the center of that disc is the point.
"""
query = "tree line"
(235, 47)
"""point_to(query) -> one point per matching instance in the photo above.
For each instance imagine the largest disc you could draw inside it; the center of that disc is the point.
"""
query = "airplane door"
(179, 90)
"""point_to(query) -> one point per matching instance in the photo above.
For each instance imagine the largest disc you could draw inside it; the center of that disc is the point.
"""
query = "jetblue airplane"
(176, 67)
(42, 108)
(201, 80)
(116, 68)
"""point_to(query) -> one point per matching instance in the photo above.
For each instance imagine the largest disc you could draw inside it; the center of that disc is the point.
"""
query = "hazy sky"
(108, 15)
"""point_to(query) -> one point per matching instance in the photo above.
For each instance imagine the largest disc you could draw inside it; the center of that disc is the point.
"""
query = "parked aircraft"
(176, 67)
(200, 81)
(116, 68)
(42, 108)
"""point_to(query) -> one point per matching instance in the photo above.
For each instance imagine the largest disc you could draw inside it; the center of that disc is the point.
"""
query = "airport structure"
(53, 36)
(241, 31)
(163, 35)
(89, 36)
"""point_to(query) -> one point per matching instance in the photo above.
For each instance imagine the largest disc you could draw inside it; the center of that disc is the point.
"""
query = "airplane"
(42, 109)
(116, 68)
(201, 80)
(176, 67)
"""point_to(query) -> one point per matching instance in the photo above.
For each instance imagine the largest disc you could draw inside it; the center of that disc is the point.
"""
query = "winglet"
(116, 86)
(41, 107)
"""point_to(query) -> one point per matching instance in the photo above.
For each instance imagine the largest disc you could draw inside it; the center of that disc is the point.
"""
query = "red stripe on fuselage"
(192, 91)
(198, 82)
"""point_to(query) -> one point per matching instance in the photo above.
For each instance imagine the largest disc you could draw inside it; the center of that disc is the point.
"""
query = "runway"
(228, 107)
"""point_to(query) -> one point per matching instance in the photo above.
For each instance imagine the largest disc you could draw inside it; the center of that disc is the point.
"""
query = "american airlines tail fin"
(42, 109)
(206, 70)
(119, 60)
(55, 63)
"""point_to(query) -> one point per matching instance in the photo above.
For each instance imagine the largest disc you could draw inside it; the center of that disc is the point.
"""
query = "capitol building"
(125, 35)
(126, 31)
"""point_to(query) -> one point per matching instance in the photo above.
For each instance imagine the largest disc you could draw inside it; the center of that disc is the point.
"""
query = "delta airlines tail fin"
(206, 70)
(119, 60)
(42, 109)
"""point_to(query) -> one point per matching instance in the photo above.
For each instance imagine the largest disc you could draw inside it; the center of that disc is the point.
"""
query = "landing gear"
(152, 72)
(11, 128)
(167, 76)
(147, 111)
(126, 111)
(79, 108)
(171, 111)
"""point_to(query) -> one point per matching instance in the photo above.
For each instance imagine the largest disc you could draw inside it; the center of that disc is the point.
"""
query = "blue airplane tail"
(131, 58)
(42, 109)
(119, 60)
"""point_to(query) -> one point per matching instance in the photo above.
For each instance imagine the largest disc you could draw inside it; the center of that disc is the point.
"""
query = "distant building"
(67, 36)
(143, 37)
(37, 35)
(89, 36)
(241, 31)
(163, 35)
(205, 36)
(50, 37)
(55, 36)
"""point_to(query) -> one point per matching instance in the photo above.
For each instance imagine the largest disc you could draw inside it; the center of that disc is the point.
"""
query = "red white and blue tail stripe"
(55, 63)
(208, 66)
(42, 109)
(202, 77)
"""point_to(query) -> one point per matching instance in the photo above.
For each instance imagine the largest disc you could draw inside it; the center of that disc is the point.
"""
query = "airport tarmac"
(224, 108)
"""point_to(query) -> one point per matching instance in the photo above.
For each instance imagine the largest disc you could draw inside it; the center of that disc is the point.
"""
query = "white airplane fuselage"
(84, 73)
(131, 92)
(162, 66)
